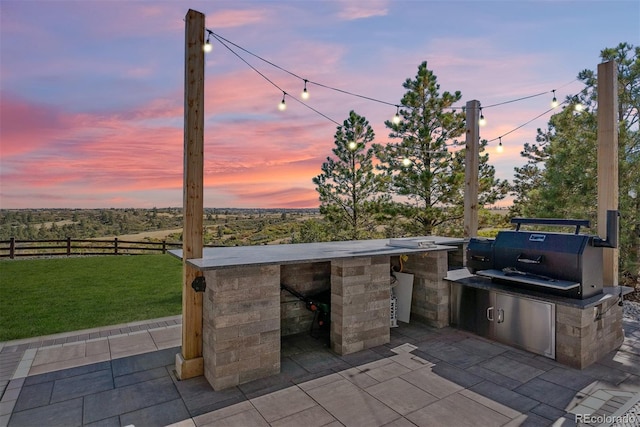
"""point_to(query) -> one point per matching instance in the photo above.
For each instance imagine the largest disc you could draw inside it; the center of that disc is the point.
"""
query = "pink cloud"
(27, 126)
(357, 9)
(283, 197)
(236, 18)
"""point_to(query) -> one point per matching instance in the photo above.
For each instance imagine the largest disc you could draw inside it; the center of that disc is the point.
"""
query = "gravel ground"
(631, 310)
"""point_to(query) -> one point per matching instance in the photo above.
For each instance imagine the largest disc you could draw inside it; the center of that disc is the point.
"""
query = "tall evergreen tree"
(428, 177)
(349, 189)
(565, 158)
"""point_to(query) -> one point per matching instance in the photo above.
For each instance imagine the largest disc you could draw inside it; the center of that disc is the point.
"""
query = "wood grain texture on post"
(471, 170)
(608, 162)
(189, 363)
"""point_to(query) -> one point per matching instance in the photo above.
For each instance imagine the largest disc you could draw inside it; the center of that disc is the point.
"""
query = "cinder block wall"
(458, 258)
(430, 299)
(241, 324)
(360, 303)
(308, 279)
(585, 336)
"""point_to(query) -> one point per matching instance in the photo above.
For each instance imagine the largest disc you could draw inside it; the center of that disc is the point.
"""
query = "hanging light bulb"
(554, 101)
(578, 107)
(396, 118)
(282, 106)
(406, 162)
(500, 148)
(208, 47)
(352, 145)
(305, 93)
(482, 121)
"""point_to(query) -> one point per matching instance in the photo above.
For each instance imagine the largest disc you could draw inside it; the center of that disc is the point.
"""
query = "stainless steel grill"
(559, 263)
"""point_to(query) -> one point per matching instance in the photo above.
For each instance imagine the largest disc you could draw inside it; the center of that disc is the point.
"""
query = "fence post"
(68, 246)
(115, 246)
(12, 248)
(164, 246)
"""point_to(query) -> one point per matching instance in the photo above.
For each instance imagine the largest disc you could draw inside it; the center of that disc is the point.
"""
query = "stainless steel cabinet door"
(525, 323)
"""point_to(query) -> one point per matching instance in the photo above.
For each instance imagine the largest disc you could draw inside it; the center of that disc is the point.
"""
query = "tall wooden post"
(608, 160)
(471, 180)
(189, 363)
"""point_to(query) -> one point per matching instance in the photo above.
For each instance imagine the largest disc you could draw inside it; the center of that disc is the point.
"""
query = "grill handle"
(560, 222)
(523, 259)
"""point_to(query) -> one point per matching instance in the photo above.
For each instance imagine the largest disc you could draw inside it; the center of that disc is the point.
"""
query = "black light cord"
(225, 42)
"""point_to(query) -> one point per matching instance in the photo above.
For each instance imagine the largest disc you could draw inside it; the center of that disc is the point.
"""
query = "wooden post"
(12, 248)
(190, 363)
(471, 180)
(608, 161)
(68, 246)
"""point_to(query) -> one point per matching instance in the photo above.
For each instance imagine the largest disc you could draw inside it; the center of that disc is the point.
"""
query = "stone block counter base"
(241, 324)
(242, 309)
(360, 292)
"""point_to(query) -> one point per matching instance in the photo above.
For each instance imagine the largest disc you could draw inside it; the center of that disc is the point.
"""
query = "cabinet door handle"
(500, 315)
(490, 314)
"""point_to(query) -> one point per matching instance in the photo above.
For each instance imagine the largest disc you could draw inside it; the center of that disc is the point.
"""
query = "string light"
(526, 123)
(396, 118)
(305, 93)
(406, 162)
(267, 78)
(208, 47)
(482, 120)
(352, 145)
(500, 148)
(283, 105)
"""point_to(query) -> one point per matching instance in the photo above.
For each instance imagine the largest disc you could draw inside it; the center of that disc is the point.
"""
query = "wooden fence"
(67, 247)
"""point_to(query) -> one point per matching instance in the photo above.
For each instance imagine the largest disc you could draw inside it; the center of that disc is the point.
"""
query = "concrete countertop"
(235, 256)
(463, 277)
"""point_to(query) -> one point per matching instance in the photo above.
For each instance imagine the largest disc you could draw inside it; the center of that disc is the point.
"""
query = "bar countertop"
(235, 256)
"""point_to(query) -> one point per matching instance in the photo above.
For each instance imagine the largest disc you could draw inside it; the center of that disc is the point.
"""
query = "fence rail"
(14, 248)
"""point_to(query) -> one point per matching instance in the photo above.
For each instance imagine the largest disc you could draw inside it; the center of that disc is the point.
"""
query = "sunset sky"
(91, 107)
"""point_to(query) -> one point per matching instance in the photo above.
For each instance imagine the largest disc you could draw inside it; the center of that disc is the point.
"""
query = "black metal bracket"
(199, 284)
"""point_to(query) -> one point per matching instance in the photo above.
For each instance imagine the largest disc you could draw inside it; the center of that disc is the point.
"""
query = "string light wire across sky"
(91, 93)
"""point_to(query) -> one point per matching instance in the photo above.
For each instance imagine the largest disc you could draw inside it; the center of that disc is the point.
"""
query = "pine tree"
(427, 176)
(349, 188)
(565, 184)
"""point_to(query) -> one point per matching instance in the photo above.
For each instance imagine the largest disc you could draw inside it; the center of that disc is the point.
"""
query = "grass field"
(46, 296)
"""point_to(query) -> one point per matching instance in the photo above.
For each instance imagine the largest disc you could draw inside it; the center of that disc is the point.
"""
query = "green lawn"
(46, 296)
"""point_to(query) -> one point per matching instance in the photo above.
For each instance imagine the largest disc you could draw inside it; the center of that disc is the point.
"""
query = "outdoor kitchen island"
(574, 332)
(242, 297)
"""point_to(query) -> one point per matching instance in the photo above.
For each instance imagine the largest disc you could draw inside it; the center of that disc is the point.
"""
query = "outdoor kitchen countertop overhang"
(297, 253)
(464, 278)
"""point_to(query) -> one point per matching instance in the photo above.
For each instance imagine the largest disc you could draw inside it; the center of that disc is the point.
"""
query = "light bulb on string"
(500, 148)
(208, 47)
(352, 145)
(482, 120)
(283, 105)
(554, 101)
(578, 107)
(305, 93)
(396, 118)
(406, 162)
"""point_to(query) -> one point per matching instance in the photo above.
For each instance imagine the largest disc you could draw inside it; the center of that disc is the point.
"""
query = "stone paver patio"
(124, 375)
